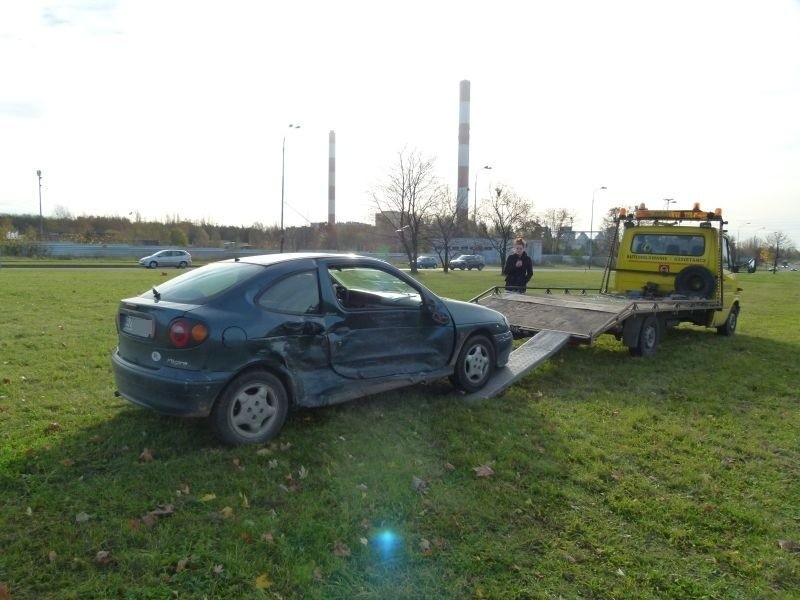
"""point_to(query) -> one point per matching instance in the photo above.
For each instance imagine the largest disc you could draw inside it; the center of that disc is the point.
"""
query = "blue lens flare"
(386, 542)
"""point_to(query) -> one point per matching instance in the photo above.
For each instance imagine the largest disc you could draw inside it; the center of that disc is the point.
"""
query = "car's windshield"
(200, 285)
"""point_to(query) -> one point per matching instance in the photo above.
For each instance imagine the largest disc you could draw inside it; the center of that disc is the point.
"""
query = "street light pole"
(41, 218)
(475, 194)
(283, 178)
(591, 223)
(667, 202)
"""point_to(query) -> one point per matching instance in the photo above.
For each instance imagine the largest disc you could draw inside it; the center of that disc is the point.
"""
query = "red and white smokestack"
(332, 178)
(462, 196)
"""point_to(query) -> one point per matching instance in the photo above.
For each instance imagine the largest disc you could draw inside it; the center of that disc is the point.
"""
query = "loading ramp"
(533, 352)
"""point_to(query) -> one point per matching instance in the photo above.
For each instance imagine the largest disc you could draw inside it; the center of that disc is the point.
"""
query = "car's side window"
(369, 288)
(298, 293)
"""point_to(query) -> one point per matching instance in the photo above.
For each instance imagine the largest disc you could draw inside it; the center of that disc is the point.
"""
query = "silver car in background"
(180, 259)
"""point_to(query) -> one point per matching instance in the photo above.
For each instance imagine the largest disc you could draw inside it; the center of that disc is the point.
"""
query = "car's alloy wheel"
(251, 410)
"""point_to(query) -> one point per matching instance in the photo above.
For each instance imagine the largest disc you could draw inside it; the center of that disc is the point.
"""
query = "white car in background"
(180, 259)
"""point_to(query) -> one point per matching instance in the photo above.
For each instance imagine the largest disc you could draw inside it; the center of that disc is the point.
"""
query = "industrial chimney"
(332, 178)
(462, 196)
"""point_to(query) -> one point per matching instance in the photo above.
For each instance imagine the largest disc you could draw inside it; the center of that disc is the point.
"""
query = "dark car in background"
(468, 261)
(427, 262)
(240, 341)
(179, 259)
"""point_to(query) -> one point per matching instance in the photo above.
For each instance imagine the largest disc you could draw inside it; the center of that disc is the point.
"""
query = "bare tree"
(444, 225)
(608, 230)
(556, 219)
(407, 200)
(778, 244)
(502, 216)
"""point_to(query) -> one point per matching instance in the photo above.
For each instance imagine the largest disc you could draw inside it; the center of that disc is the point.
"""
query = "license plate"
(137, 326)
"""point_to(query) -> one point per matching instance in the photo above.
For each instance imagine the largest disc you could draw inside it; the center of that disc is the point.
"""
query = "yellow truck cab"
(678, 254)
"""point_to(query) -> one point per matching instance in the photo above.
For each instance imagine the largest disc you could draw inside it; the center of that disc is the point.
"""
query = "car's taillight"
(185, 334)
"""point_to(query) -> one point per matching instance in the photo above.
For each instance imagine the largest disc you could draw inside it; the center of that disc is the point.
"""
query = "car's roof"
(270, 259)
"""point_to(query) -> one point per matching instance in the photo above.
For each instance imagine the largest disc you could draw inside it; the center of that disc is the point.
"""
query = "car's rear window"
(200, 285)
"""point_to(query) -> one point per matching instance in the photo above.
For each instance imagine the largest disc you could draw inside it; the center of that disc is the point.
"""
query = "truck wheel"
(729, 327)
(695, 281)
(475, 364)
(649, 337)
(251, 410)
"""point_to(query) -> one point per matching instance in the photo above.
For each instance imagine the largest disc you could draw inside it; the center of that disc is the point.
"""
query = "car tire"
(475, 364)
(152, 265)
(182, 264)
(729, 327)
(480, 267)
(648, 338)
(251, 409)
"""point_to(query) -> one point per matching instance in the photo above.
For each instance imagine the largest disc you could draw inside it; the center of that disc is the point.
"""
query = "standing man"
(518, 268)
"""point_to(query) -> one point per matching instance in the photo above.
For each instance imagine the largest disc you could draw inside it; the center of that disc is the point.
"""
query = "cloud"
(23, 110)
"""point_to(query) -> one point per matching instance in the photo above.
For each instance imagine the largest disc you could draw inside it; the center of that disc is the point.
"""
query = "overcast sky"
(179, 108)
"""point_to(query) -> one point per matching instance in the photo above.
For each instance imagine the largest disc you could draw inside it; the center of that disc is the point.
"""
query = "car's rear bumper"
(167, 390)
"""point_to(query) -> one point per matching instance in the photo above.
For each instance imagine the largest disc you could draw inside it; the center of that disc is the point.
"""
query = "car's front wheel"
(152, 265)
(475, 364)
(251, 410)
(182, 264)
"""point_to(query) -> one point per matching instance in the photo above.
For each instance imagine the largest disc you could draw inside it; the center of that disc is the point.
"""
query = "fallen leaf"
(163, 510)
(341, 549)
(268, 538)
(82, 517)
(149, 520)
(364, 541)
(303, 472)
(286, 446)
(245, 501)
(218, 569)
(708, 508)
(789, 545)
(620, 572)
(237, 465)
(247, 537)
(616, 475)
(449, 467)
(263, 451)
(4, 593)
(483, 471)
(208, 497)
(182, 564)
(97, 438)
(146, 455)
(420, 485)
(52, 427)
(103, 557)
(133, 524)
(263, 582)
(317, 574)
(362, 487)
(273, 464)
(52, 556)
(226, 512)
(425, 547)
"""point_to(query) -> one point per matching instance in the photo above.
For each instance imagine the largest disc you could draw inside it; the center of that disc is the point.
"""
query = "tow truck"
(666, 267)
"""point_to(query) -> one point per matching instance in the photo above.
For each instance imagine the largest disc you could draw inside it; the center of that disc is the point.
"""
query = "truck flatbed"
(582, 317)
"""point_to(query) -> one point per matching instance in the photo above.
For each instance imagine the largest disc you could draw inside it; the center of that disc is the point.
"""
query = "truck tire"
(649, 337)
(695, 281)
(729, 327)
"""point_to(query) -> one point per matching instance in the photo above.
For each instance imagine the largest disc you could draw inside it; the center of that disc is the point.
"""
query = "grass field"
(598, 475)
